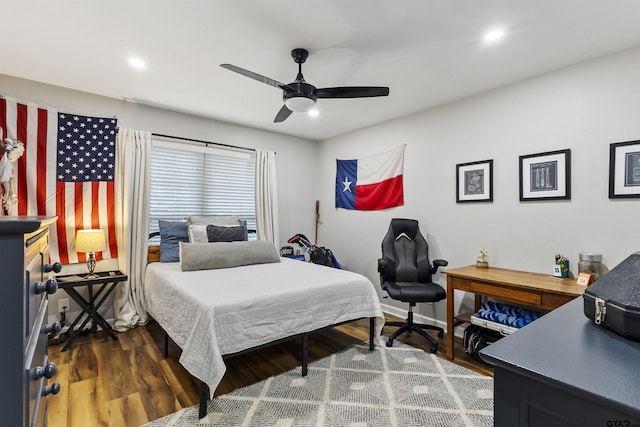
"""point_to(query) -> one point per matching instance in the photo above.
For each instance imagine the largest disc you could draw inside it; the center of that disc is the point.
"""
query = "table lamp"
(90, 241)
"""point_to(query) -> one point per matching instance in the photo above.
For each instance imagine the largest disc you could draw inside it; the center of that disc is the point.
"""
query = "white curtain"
(132, 222)
(266, 196)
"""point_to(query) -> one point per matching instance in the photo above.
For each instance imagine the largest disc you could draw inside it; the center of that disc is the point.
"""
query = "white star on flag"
(347, 184)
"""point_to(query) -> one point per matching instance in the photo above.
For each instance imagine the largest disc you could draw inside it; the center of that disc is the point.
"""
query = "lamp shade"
(90, 240)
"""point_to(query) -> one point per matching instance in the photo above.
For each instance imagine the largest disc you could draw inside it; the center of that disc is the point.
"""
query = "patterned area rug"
(399, 386)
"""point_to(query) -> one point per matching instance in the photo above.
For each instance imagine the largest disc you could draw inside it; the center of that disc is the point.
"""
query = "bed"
(213, 313)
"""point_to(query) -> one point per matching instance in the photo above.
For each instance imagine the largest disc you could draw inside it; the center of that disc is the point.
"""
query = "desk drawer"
(551, 302)
(505, 293)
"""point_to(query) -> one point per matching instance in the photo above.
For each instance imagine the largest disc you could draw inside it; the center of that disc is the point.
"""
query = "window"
(194, 179)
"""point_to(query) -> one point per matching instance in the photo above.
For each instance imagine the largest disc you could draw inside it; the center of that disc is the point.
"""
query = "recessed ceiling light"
(494, 35)
(137, 63)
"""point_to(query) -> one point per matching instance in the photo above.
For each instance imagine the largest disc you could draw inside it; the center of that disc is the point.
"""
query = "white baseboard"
(419, 318)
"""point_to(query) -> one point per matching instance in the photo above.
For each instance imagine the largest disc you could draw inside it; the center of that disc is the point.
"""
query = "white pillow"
(197, 234)
(223, 221)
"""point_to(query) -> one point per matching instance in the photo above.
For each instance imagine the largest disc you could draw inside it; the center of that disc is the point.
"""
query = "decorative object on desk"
(584, 279)
(624, 170)
(474, 182)
(482, 261)
(10, 150)
(591, 263)
(90, 241)
(561, 268)
(545, 176)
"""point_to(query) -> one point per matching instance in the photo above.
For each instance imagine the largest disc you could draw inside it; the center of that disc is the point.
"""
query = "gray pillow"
(171, 233)
(198, 233)
(216, 233)
(205, 256)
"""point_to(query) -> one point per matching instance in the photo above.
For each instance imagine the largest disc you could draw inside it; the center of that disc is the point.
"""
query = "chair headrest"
(408, 227)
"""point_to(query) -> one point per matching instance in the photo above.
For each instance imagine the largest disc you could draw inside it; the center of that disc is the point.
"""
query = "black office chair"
(405, 274)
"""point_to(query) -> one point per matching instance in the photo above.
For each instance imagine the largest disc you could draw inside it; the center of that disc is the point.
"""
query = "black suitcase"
(613, 301)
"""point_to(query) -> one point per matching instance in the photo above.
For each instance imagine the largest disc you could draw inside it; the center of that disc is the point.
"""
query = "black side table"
(107, 281)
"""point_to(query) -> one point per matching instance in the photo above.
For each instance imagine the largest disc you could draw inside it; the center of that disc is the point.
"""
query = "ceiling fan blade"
(255, 76)
(352, 92)
(282, 114)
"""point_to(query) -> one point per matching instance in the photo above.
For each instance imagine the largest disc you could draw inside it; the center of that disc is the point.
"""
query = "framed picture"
(474, 182)
(624, 169)
(545, 176)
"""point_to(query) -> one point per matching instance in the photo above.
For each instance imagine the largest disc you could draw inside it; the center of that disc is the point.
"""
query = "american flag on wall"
(67, 170)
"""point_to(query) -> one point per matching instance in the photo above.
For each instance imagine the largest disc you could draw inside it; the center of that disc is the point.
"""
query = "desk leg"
(450, 315)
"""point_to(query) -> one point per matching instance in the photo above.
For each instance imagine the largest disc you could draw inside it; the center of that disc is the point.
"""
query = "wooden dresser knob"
(56, 267)
(49, 371)
(51, 389)
(54, 327)
(50, 287)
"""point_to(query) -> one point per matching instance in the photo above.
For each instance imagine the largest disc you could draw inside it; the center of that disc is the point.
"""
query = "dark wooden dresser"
(563, 370)
(25, 272)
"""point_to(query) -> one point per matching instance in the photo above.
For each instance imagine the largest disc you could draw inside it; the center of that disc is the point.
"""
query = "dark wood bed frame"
(153, 255)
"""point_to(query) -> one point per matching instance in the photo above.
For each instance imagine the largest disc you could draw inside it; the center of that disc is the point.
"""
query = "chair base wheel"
(389, 343)
(440, 334)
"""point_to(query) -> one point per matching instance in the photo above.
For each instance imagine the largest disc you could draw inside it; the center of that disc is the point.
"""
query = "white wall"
(583, 108)
(296, 203)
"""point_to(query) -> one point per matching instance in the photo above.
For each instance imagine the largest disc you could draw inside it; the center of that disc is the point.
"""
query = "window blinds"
(188, 179)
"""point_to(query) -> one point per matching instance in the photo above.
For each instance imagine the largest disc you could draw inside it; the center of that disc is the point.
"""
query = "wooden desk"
(535, 290)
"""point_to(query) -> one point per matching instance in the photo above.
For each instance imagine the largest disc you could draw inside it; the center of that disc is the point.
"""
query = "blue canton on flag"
(86, 148)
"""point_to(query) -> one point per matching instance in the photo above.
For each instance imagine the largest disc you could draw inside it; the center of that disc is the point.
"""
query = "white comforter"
(210, 313)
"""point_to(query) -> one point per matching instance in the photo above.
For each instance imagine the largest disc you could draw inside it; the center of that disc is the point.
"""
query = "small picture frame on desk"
(584, 279)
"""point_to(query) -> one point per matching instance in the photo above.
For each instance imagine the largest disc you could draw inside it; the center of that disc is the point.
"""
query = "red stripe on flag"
(111, 223)
(78, 213)
(22, 135)
(95, 211)
(95, 199)
(41, 163)
(382, 195)
(61, 225)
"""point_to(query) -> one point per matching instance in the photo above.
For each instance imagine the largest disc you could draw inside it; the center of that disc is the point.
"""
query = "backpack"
(323, 256)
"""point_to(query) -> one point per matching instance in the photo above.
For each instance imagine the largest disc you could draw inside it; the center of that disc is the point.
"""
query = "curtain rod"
(203, 142)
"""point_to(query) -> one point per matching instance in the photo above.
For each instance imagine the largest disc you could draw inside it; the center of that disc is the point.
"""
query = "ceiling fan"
(300, 96)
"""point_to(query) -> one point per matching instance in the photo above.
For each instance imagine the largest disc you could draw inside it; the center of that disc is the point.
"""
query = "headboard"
(153, 251)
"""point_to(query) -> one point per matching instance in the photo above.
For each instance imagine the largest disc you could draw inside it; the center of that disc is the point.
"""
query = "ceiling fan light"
(299, 104)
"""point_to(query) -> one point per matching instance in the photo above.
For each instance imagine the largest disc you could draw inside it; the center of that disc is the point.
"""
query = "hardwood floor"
(129, 382)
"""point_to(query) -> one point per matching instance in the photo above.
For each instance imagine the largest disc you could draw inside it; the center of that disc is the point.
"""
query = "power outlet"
(63, 305)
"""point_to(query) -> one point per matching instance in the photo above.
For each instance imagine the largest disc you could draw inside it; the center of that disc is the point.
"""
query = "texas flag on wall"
(371, 183)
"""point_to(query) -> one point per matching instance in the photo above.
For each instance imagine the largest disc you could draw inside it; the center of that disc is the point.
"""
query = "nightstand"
(105, 282)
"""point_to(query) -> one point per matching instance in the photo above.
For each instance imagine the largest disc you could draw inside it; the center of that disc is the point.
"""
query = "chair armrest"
(383, 263)
(437, 263)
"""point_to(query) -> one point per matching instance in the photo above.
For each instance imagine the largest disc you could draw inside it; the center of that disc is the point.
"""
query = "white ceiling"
(428, 52)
